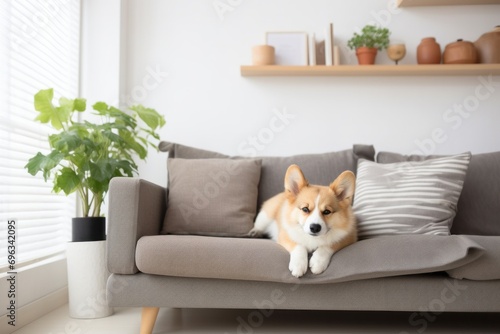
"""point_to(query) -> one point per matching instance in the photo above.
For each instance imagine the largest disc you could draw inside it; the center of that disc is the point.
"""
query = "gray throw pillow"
(409, 197)
(214, 197)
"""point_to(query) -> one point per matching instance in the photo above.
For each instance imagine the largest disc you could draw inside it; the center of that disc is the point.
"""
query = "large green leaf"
(101, 107)
(97, 187)
(57, 116)
(80, 104)
(134, 145)
(150, 116)
(43, 104)
(68, 181)
(44, 163)
(101, 171)
(66, 141)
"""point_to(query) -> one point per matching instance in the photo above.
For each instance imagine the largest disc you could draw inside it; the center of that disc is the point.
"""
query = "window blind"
(39, 49)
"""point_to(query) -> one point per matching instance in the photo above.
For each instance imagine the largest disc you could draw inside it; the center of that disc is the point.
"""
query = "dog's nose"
(315, 228)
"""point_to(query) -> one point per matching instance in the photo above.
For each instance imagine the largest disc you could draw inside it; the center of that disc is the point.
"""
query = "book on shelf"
(312, 50)
(329, 45)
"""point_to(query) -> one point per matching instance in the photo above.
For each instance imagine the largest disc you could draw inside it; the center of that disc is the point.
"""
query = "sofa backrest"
(478, 209)
(319, 169)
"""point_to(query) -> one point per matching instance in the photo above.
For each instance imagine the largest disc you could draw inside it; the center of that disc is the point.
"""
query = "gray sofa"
(160, 260)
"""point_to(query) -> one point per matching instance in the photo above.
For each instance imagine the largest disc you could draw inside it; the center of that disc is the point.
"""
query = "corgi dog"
(308, 219)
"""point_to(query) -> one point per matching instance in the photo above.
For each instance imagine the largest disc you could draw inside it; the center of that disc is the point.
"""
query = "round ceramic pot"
(429, 51)
(263, 55)
(366, 56)
(460, 52)
(488, 47)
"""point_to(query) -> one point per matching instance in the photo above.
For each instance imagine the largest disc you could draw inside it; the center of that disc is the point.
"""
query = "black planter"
(88, 229)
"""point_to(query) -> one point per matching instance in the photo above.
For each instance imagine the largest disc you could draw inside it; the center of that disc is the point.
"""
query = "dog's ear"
(344, 185)
(294, 180)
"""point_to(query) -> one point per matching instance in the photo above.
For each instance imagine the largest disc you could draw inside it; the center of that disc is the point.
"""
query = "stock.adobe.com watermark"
(50, 10)
(455, 116)
(429, 313)
(201, 197)
(223, 7)
(151, 81)
(264, 309)
(258, 142)
(92, 306)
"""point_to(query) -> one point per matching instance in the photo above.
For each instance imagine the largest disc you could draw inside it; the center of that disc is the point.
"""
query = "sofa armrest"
(136, 208)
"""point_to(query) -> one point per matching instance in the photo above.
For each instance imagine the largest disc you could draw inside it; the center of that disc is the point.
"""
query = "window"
(39, 49)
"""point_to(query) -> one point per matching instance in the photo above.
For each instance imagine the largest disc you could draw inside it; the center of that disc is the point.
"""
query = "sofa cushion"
(478, 211)
(408, 197)
(486, 267)
(211, 196)
(318, 168)
(265, 260)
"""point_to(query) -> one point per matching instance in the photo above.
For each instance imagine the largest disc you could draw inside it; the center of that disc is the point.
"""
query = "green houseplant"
(85, 156)
(368, 42)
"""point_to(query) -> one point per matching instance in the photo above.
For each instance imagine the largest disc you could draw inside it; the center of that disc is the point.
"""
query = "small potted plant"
(366, 44)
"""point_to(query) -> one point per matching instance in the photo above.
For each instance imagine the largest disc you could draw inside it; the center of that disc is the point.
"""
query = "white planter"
(87, 277)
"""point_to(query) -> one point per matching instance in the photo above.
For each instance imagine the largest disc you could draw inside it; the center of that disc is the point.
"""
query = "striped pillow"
(408, 197)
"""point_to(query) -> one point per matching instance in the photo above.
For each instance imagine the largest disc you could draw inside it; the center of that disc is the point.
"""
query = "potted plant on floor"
(84, 157)
(366, 44)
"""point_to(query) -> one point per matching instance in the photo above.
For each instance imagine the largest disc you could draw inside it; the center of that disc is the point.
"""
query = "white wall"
(208, 104)
(100, 51)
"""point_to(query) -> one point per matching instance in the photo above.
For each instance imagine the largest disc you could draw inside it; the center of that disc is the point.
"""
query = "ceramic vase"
(460, 52)
(429, 51)
(488, 47)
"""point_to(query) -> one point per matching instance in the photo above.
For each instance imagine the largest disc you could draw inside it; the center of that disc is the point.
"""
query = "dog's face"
(319, 209)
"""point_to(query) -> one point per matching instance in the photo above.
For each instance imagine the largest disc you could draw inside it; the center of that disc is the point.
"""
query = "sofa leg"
(148, 319)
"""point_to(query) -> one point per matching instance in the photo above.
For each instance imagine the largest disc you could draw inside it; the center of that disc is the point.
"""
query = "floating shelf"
(415, 3)
(372, 70)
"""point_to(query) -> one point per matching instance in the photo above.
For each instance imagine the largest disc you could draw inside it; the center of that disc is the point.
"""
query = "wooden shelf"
(415, 3)
(372, 70)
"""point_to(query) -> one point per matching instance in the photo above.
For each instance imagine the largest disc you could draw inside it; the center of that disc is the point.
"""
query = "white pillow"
(408, 197)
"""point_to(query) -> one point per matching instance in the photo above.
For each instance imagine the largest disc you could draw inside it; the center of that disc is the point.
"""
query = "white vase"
(87, 277)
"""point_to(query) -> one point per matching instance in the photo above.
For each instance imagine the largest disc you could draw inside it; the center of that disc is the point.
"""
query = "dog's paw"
(254, 233)
(298, 263)
(320, 261)
(298, 270)
(318, 265)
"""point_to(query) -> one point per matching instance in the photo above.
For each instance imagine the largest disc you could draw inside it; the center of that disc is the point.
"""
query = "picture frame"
(291, 48)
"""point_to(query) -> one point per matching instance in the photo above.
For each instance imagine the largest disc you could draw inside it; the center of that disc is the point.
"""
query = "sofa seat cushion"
(486, 267)
(265, 260)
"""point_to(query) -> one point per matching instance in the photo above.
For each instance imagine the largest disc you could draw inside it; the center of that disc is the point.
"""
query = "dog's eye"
(305, 209)
(326, 212)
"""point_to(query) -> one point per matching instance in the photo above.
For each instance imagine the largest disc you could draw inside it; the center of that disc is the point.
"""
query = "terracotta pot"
(460, 52)
(366, 56)
(429, 51)
(488, 47)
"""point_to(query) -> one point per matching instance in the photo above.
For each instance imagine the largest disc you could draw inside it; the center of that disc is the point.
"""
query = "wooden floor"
(127, 321)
